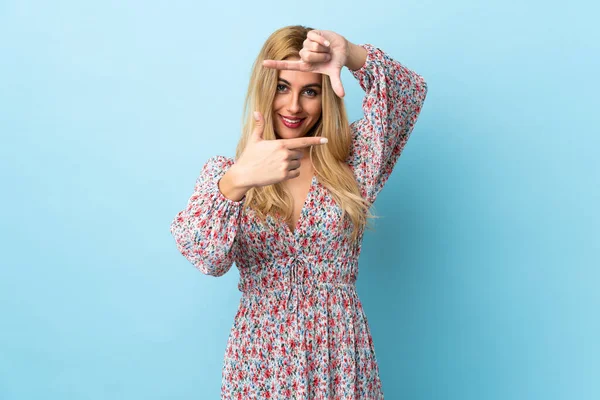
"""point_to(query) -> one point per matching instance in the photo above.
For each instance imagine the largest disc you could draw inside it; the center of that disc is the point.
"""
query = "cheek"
(276, 104)
(312, 107)
(315, 110)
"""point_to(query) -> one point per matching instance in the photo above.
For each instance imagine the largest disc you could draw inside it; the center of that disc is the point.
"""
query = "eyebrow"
(304, 87)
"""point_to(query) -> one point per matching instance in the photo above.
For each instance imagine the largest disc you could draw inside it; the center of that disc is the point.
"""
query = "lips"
(292, 123)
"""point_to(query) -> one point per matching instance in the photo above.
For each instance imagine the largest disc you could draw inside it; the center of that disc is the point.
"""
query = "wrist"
(356, 56)
(233, 184)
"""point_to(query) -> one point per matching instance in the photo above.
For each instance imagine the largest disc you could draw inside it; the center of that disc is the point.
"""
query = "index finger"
(298, 65)
(299, 143)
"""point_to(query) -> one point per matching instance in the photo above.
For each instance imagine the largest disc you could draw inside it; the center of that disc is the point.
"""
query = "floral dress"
(300, 331)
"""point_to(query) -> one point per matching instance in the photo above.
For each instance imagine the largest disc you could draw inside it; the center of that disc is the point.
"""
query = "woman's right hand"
(265, 162)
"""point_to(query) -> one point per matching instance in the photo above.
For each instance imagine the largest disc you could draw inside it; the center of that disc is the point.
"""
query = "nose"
(294, 106)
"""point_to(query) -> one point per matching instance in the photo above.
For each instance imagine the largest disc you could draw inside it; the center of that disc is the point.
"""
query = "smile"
(292, 123)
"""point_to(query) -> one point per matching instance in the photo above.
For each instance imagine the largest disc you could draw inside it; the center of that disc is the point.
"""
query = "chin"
(282, 132)
(286, 134)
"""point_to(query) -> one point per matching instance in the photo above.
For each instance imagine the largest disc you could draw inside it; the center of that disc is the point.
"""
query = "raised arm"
(393, 101)
(394, 96)
(205, 231)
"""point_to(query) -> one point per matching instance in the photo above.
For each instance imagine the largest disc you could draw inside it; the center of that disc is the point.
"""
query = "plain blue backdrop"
(480, 281)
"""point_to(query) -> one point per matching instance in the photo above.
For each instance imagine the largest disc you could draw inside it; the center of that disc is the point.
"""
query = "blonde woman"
(290, 210)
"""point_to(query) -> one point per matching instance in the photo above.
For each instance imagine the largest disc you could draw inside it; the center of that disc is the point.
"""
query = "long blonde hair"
(329, 161)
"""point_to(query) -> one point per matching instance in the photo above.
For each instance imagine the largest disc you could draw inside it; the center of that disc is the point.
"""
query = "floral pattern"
(300, 331)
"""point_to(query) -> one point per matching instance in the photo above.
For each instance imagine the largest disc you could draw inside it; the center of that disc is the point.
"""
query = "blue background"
(479, 282)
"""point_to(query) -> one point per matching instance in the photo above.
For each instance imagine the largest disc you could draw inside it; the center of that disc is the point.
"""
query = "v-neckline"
(304, 209)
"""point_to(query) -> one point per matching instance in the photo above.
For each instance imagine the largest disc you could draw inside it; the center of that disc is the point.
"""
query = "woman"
(291, 210)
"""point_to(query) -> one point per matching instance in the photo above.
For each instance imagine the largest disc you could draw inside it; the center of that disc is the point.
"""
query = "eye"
(311, 92)
(281, 88)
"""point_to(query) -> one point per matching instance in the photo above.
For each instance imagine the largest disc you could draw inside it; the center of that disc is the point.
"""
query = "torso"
(299, 188)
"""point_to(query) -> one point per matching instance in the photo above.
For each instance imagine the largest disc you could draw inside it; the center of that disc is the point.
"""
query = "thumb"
(336, 83)
(259, 126)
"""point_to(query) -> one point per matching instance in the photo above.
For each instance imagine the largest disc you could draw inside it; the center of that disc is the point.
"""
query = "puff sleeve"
(394, 96)
(205, 231)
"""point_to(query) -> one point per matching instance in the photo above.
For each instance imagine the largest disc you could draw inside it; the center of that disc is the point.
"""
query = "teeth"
(291, 121)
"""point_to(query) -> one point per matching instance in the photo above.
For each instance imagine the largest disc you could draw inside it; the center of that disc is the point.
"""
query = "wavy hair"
(329, 161)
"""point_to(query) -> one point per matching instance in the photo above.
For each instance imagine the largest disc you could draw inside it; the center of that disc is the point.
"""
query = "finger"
(316, 36)
(310, 57)
(300, 143)
(295, 155)
(259, 126)
(294, 164)
(315, 46)
(294, 174)
(336, 84)
(284, 64)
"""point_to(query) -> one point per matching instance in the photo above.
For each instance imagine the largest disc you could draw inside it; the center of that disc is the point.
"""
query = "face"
(297, 104)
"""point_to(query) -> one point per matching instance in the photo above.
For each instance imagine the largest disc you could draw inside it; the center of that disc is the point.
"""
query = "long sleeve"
(205, 231)
(394, 96)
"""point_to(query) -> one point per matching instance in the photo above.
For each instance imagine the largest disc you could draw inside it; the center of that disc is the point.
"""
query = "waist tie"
(296, 279)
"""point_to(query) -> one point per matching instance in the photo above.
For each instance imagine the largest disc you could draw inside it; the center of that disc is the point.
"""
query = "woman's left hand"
(324, 52)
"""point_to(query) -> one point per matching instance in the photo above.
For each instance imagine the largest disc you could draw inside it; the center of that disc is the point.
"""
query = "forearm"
(205, 230)
(357, 56)
(394, 96)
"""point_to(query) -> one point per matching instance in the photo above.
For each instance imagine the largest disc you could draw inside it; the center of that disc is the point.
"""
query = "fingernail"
(256, 115)
(327, 43)
(324, 140)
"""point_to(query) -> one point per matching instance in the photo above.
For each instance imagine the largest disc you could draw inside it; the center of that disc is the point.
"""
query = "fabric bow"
(296, 279)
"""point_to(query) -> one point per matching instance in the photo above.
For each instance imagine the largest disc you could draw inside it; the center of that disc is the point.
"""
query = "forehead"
(300, 78)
